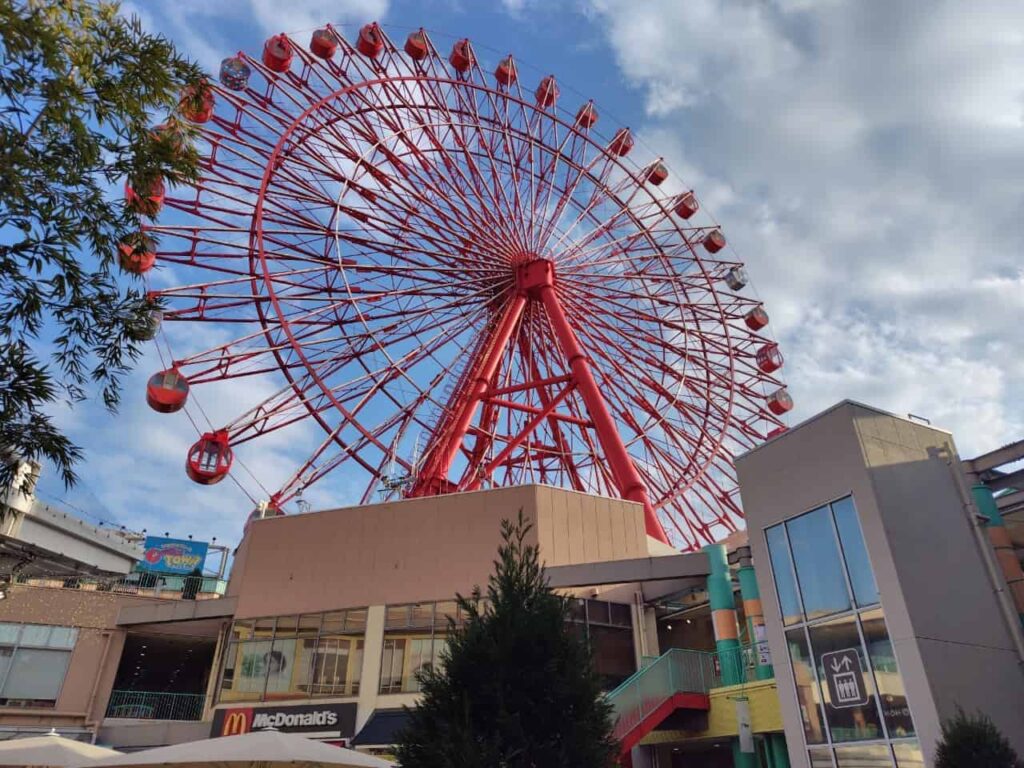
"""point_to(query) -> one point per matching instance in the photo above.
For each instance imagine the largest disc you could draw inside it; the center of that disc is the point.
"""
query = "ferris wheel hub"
(533, 276)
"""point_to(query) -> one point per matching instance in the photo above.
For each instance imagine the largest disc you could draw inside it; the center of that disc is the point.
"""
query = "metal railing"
(149, 705)
(167, 586)
(678, 671)
(675, 671)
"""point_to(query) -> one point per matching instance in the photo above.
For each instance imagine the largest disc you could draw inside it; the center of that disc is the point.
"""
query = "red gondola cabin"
(686, 205)
(323, 44)
(195, 106)
(167, 391)
(547, 92)
(779, 402)
(138, 256)
(209, 459)
(278, 53)
(621, 143)
(416, 45)
(148, 203)
(234, 73)
(656, 173)
(757, 318)
(769, 358)
(714, 241)
(371, 41)
(506, 71)
(462, 56)
(587, 115)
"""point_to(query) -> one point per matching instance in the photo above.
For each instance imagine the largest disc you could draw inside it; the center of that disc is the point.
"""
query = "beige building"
(884, 605)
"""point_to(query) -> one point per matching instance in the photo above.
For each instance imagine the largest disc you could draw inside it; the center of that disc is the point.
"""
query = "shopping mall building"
(877, 588)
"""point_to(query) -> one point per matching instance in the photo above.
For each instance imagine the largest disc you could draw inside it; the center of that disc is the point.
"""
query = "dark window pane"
(785, 585)
(864, 756)
(621, 615)
(806, 688)
(852, 715)
(820, 758)
(614, 658)
(908, 755)
(887, 676)
(577, 609)
(819, 570)
(865, 591)
(597, 612)
(227, 679)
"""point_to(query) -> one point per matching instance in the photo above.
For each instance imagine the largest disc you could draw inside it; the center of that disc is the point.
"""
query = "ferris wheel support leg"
(435, 477)
(631, 485)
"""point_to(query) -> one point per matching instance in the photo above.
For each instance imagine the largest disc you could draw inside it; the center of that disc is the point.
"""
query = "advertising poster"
(177, 556)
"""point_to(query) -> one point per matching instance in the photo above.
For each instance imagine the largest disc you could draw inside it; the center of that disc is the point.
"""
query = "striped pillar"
(723, 616)
(1000, 539)
(755, 617)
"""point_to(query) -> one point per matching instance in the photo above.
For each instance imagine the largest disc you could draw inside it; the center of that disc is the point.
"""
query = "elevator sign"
(844, 678)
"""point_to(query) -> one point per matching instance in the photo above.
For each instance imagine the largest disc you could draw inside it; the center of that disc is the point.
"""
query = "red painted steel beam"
(540, 282)
(438, 465)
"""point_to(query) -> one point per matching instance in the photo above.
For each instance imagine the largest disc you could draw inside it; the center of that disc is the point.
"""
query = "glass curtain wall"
(294, 657)
(850, 692)
(414, 637)
(608, 628)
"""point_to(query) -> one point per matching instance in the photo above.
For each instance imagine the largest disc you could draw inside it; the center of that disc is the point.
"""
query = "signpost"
(844, 678)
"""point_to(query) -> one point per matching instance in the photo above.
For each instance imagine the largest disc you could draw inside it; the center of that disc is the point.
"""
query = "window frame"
(18, 644)
(804, 624)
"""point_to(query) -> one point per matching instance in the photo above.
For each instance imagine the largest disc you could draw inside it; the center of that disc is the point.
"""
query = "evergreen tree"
(973, 741)
(516, 687)
(79, 88)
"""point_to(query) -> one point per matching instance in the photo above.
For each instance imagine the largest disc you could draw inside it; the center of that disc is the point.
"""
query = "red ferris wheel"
(463, 280)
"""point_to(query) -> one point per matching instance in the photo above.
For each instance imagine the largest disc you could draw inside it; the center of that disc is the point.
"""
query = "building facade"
(884, 609)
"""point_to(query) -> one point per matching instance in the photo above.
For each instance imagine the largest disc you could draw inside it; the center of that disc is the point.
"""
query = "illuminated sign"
(173, 555)
(327, 721)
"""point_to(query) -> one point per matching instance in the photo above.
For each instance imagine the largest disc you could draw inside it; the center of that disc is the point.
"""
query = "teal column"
(742, 759)
(777, 749)
(755, 615)
(723, 616)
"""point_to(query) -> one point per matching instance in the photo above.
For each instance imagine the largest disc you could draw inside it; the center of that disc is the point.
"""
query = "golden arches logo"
(236, 722)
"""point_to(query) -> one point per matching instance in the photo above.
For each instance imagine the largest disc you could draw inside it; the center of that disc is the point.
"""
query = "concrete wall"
(418, 549)
(948, 635)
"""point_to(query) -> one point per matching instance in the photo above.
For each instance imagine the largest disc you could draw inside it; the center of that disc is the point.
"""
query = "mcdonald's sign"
(233, 722)
(323, 721)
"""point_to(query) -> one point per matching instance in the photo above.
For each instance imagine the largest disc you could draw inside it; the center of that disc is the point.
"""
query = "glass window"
(334, 623)
(227, 680)
(422, 615)
(613, 654)
(281, 666)
(908, 754)
(864, 756)
(621, 615)
(819, 570)
(286, 626)
(396, 617)
(820, 758)
(355, 620)
(891, 695)
(785, 585)
(63, 637)
(597, 612)
(251, 669)
(35, 634)
(331, 667)
(806, 687)
(264, 627)
(865, 591)
(9, 633)
(392, 663)
(309, 625)
(36, 674)
(847, 690)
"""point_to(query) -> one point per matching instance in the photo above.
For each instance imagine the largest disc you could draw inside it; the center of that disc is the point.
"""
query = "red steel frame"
(385, 234)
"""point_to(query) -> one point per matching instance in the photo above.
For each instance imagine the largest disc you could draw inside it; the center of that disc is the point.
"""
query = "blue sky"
(864, 160)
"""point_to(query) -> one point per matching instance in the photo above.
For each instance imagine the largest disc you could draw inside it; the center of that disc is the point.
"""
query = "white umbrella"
(267, 749)
(49, 750)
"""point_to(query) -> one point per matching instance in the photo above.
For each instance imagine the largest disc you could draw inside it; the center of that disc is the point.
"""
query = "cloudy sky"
(866, 160)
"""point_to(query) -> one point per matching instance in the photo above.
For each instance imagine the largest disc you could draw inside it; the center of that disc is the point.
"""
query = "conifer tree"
(973, 741)
(81, 87)
(516, 687)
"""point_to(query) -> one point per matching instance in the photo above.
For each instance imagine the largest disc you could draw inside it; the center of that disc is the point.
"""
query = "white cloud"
(865, 161)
